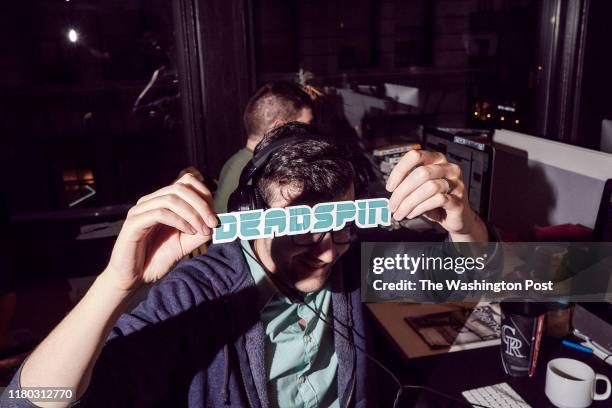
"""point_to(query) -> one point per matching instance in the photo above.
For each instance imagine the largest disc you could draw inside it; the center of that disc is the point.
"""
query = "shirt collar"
(265, 287)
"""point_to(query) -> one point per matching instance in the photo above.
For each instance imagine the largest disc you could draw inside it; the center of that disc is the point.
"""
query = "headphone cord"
(401, 387)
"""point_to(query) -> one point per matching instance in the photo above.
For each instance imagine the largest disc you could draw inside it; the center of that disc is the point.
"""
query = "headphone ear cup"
(362, 177)
(258, 201)
(237, 200)
(245, 198)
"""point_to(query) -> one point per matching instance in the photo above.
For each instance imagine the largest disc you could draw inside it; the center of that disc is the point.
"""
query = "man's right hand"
(159, 230)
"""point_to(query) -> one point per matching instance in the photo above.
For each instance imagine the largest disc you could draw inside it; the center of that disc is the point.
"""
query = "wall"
(414, 42)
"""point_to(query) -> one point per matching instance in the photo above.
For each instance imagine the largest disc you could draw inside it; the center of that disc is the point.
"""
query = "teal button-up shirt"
(301, 363)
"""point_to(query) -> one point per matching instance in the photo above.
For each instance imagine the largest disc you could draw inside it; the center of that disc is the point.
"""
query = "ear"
(277, 123)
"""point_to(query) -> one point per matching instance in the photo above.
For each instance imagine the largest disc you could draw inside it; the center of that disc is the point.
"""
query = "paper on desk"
(485, 343)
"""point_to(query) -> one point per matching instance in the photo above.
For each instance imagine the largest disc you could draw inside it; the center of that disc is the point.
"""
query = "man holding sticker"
(250, 323)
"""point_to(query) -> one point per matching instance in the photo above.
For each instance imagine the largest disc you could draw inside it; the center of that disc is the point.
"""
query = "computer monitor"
(537, 181)
(594, 319)
(356, 105)
(603, 224)
(470, 150)
(407, 95)
(606, 136)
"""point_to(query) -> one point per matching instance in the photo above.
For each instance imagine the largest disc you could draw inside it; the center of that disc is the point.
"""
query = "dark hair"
(275, 101)
(318, 167)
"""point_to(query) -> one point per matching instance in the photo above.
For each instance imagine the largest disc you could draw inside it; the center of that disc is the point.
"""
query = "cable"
(401, 387)
(296, 296)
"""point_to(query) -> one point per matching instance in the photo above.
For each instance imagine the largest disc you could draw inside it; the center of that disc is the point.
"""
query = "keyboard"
(495, 396)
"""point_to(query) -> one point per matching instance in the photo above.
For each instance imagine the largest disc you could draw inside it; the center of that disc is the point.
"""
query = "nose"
(326, 251)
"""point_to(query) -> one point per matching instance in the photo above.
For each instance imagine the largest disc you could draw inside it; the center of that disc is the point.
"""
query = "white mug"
(571, 384)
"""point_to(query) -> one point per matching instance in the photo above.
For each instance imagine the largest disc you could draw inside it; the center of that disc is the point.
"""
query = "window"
(89, 102)
(329, 37)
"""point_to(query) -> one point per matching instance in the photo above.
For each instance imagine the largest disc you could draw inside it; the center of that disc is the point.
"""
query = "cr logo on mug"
(513, 343)
(571, 384)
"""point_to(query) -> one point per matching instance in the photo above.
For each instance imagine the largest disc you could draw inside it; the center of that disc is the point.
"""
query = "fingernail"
(390, 184)
(212, 221)
(193, 230)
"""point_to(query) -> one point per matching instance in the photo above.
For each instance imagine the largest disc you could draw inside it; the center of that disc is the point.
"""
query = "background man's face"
(306, 268)
(305, 116)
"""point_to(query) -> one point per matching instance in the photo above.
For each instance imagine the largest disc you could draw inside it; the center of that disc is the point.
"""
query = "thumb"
(191, 242)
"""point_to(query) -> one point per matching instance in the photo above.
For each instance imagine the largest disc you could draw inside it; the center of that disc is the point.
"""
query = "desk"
(390, 317)
(455, 372)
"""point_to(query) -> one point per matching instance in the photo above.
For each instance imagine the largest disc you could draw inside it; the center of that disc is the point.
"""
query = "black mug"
(522, 324)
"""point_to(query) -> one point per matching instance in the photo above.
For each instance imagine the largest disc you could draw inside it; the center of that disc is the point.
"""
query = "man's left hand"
(425, 183)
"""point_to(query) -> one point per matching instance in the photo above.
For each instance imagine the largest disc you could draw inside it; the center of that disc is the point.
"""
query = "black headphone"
(247, 197)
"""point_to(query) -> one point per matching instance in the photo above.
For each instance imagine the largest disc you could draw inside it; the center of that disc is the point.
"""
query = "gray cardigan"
(197, 341)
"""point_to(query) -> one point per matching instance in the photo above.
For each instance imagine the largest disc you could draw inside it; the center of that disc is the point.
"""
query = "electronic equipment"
(603, 223)
(246, 197)
(499, 396)
(407, 95)
(605, 144)
(537, 181)
(356, 105)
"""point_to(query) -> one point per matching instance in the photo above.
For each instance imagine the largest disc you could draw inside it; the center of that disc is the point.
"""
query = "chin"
(310, 285)
(309, 280)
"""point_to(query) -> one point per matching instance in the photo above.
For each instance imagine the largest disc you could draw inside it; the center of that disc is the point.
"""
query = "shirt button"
(302, 379)
(307, 338)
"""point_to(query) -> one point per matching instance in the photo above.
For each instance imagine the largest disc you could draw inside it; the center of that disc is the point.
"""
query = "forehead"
(289, 195)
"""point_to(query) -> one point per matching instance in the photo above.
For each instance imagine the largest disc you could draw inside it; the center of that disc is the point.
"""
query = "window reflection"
(88, 97)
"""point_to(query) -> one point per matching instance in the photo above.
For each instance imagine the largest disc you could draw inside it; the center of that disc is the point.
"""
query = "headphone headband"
(260, 159)
(246, 196)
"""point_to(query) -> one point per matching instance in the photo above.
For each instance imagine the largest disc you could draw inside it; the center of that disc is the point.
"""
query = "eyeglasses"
(343, 236)
(340, 237)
